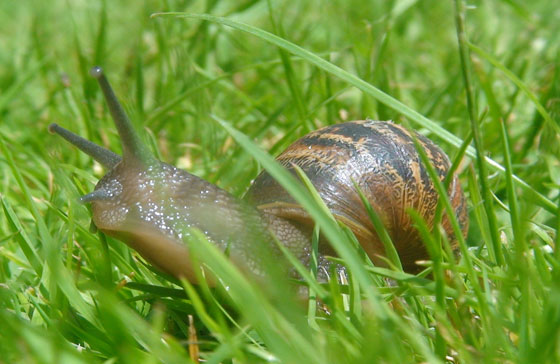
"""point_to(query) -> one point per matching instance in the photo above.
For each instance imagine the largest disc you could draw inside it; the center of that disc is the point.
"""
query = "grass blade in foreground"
(365, 87)
(334, 235)
(496, 247)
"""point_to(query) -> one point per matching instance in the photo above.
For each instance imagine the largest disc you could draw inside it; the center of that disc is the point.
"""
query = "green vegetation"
(211, 93)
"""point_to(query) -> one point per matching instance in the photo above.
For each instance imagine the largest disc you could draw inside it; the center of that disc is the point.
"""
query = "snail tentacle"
(97, 195)
(134, 150)
(104, 156)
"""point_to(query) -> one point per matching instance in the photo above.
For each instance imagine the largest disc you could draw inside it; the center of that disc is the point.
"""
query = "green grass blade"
(381, 231)
(518, 82)
(25, 243)
(274, 327)
(365, 87)
(331, 231)
(58, 273)
(496, 247)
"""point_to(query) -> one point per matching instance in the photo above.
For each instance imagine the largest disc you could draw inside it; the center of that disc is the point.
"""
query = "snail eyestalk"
(104, 156)
(133, 148)
(97, 195)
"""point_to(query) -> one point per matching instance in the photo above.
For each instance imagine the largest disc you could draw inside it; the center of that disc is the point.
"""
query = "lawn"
(217, 87)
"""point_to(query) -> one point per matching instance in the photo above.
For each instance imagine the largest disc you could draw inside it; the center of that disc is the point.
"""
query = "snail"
(151, 205)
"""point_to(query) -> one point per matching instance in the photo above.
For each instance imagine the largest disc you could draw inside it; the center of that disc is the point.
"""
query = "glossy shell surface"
(380, 157)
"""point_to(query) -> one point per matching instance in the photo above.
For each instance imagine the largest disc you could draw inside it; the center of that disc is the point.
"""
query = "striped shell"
(381, 158)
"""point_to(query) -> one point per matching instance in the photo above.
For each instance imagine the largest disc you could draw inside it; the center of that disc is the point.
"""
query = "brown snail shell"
(381, 158)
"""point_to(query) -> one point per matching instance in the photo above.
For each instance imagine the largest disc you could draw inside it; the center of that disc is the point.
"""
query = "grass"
(212, 86)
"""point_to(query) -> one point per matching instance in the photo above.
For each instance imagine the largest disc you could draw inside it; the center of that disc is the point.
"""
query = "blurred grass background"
(63, 297)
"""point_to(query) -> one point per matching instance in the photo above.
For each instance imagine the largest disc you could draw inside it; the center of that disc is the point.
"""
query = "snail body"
(152, 206)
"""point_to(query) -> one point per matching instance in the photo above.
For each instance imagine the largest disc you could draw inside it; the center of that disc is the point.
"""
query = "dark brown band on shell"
(382, 159)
